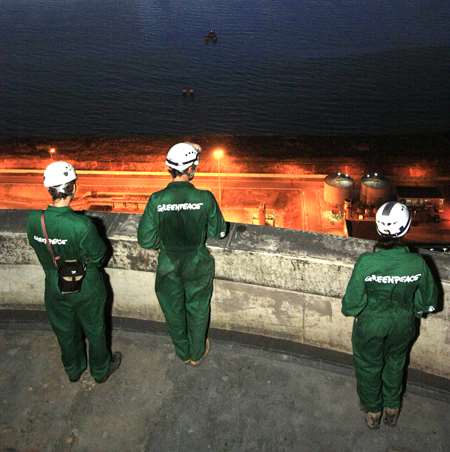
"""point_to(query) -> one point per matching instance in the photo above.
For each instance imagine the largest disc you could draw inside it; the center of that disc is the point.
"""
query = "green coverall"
(73, 316)
(177, 221)
(388, 288)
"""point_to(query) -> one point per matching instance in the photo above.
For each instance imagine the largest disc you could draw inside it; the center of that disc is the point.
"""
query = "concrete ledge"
(280, 284)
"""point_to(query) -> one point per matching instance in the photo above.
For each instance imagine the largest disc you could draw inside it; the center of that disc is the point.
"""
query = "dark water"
(117, 67)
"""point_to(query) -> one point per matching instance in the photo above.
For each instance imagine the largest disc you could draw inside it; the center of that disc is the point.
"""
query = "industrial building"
(421, 197)
(425, 203)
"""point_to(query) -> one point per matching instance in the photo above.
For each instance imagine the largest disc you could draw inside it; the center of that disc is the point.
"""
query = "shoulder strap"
(55, 258)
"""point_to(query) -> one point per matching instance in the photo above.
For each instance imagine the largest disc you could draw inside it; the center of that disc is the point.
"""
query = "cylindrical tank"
(337, 188)
(375, 190)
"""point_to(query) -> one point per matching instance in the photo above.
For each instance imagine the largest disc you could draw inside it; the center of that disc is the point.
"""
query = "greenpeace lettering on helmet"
(178, 207)
(52, 241)
(388, 279)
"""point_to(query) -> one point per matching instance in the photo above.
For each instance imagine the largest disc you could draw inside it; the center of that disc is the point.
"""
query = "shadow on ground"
(240, 399)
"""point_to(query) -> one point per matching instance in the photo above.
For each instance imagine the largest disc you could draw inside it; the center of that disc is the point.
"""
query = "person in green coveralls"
(177, 221)
(387, 290)
(76, 315)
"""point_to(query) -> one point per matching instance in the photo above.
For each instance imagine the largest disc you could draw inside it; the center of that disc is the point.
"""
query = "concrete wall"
(279, 283)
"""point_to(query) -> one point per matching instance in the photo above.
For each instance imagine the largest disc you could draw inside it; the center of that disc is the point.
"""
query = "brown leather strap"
(55, 258)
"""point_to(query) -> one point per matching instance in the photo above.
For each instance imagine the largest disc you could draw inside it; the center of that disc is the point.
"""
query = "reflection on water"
(280, 67)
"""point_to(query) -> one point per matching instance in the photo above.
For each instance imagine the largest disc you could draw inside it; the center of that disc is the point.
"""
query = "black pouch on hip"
(70, 275)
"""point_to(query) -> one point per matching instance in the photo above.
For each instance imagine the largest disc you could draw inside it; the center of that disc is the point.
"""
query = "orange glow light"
(52, 151)
(417, 171)
(218, 154)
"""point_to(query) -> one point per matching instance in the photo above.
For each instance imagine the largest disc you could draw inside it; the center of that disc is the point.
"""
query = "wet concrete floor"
(239, 399)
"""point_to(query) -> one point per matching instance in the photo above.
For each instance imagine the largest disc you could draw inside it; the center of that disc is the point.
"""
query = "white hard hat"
(393, 220)
(59, 173)
(183, 155)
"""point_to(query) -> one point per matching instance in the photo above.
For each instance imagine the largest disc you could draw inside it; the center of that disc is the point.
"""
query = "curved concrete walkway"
(240, 399)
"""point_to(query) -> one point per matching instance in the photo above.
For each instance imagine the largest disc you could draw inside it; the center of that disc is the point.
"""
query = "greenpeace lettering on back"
(178, 207)
(52, 241)
(388, 279)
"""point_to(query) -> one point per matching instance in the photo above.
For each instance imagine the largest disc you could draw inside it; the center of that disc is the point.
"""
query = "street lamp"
(52, 151)
(218, 155)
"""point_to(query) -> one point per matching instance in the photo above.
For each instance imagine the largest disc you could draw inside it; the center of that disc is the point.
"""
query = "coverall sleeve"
(148, 230)
(217, 226)
(426, 296)
(355, 297)
(29, 229)
(93, 246)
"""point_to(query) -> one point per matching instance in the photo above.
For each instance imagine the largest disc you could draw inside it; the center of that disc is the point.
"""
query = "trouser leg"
(64, 322)
(91, 314)
(170, 292)
(368, 360)
(198, 298)
(198, 275)
(396, 350)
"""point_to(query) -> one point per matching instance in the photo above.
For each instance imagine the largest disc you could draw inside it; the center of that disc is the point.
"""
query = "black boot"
(115, 364)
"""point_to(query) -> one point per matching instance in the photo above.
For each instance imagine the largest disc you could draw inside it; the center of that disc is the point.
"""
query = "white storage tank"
(375, 190)
(337, 188)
